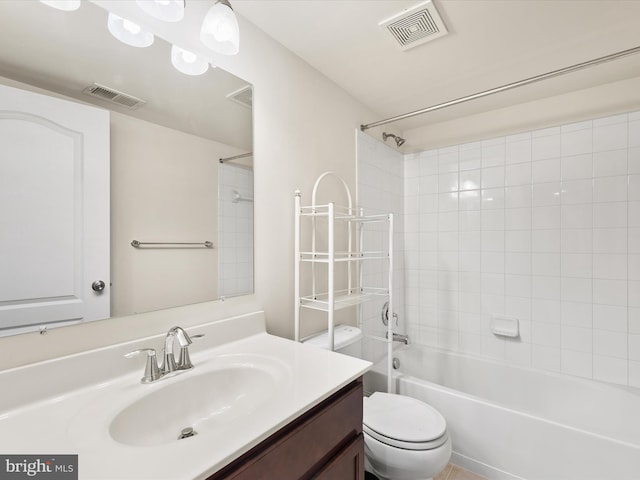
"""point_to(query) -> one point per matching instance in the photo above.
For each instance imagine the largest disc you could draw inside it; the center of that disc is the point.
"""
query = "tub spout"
(399, 338)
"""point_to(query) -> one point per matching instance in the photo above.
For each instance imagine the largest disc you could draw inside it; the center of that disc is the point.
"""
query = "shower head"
(399, 140)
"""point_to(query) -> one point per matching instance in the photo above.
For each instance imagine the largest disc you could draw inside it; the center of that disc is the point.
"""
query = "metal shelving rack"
(326, 298)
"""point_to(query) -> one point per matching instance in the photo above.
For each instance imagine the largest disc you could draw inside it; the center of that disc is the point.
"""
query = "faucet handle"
(184, 361)
(151, 370)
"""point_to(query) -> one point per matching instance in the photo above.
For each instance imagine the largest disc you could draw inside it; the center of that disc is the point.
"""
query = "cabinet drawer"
(307, 445)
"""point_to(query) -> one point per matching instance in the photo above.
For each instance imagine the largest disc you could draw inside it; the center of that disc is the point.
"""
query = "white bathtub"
(509, 423)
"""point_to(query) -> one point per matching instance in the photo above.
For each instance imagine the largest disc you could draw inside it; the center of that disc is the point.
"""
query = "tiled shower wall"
(543, 226)
(235, 236)
(380, 190)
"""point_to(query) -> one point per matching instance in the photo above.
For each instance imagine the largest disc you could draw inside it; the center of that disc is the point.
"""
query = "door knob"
(98, 286)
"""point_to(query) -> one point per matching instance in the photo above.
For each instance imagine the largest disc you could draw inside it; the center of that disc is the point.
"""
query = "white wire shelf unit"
(329, 224)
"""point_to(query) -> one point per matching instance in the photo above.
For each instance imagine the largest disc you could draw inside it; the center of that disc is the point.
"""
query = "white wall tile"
(517, 241)
(576, 142)
(546, 217)
(518, 197)
(634, 214)
(518, 174)
(609, 343)
(610, 189)
(610, 292)
(578, 265)
(518, 151)
(470, 180)
(546, 228)
(577, 191)
(610, 240)
(492, 177)
(577, 314)
(448, 182)
(612, 162)
(575, 167)
(577, 240)
(546, 264)
(517, 219)
(577, 363)
(577, 339)
(518, 263)
(546, 334)
(492, 219)
(577, 216)
(546, 171)
(493, 154)
(543, 147)
(576, 290)
(545, 240)
(610, 317)
(609, 137)
(610, 215)
(546, 311)
(546, 194)
(610, 266)
(634, 159)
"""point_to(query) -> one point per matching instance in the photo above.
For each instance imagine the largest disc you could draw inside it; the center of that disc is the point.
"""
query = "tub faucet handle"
(151, 369)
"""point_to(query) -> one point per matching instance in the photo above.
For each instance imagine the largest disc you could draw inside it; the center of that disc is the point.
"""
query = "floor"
(454, 472)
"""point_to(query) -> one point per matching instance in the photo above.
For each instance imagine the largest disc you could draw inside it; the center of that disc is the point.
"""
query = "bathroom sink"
(207, 401)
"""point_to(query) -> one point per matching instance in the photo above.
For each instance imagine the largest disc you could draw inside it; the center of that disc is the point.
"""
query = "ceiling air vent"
(243, 96)
(415, 26)
(112, 95)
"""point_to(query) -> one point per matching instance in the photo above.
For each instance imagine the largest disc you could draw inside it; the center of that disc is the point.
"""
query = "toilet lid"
(402, 418)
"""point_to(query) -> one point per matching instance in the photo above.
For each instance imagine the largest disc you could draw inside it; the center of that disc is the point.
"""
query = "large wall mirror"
(169, 187)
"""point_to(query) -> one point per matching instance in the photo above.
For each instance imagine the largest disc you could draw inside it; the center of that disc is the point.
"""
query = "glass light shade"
(220, 30)
(188, 62)
(129, 32)
(65, 5)
(166, 10)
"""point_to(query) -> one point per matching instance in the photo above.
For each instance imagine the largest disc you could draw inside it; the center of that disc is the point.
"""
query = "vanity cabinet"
(325, 443)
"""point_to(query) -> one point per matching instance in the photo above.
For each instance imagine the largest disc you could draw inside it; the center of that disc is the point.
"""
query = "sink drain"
(186, 433)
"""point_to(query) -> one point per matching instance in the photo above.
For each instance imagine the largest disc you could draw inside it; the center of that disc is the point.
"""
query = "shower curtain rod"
(509, 86)
(235, 157)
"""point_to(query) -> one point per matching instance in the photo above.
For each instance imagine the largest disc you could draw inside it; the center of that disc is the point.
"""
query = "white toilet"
(405, 439)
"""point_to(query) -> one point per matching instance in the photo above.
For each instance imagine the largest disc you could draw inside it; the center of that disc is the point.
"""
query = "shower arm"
(504, 88)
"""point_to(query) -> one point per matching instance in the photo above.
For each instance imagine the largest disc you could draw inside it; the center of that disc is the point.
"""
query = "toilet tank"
(346, 339)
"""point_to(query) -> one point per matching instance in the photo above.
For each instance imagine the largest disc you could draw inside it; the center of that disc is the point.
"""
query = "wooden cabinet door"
(348, 464)
(54, 209)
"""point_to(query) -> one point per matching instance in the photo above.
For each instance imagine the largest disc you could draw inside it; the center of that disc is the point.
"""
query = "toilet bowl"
(405, 439)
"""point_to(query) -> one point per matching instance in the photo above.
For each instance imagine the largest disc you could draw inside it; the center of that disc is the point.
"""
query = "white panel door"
(54, 210)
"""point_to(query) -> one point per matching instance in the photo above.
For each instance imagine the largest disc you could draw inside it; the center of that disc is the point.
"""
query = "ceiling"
(490, 43)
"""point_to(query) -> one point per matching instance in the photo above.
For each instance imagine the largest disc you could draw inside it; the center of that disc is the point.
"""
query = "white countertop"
(77, 421)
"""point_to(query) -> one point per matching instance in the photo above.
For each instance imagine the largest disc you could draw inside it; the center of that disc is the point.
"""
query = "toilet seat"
(403, 422)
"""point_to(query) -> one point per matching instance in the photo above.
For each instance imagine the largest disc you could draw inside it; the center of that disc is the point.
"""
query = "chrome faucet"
(397, 337)
(154, 372)
(184, 363)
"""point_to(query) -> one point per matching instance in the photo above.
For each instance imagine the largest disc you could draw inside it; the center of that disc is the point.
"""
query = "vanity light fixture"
(220, 30)
(64, 5)
(129, 32)
(165, 10)
(188, 62)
